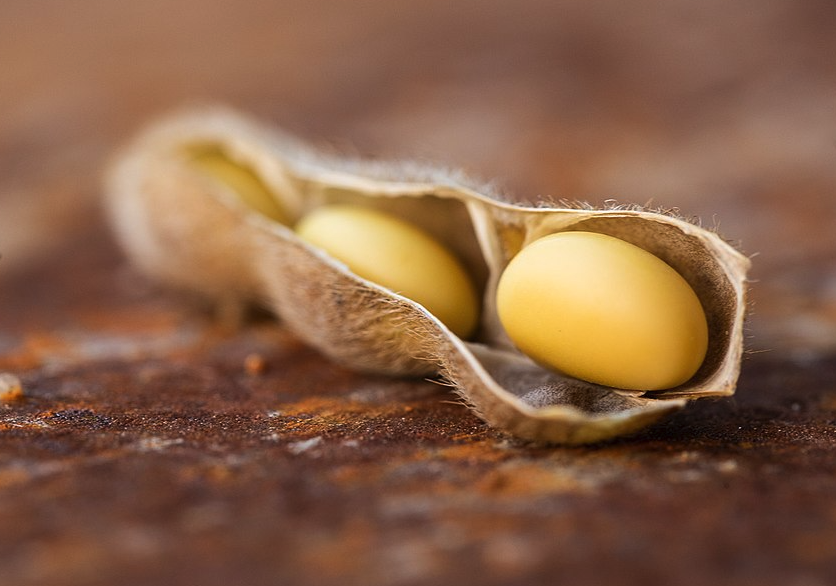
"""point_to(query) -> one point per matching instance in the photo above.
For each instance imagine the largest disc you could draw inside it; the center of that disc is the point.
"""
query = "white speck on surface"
(157, 444)
(686, 476)
(727, 466)
(10, 387)
(304, 445)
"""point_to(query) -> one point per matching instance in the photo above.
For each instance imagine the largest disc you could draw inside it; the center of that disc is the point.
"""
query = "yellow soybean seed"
(399, 256)
(603, 310)
(241, 180)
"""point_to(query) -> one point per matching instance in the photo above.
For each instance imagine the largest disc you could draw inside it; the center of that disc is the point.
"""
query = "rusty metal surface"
(153, 446)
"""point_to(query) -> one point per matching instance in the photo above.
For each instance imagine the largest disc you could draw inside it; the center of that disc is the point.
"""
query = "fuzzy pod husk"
(186, 230)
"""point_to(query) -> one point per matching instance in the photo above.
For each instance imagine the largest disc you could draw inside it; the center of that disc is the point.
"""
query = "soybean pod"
(221, 204)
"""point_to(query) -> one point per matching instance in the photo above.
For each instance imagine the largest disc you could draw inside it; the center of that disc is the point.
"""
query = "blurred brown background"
(726, 111)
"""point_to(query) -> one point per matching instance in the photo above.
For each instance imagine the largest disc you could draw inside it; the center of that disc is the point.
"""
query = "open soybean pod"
(187, 199)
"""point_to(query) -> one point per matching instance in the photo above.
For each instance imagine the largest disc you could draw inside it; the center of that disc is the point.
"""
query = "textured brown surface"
(155, 447)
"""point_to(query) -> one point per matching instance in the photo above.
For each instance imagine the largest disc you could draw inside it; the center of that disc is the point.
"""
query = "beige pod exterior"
(183, 228)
